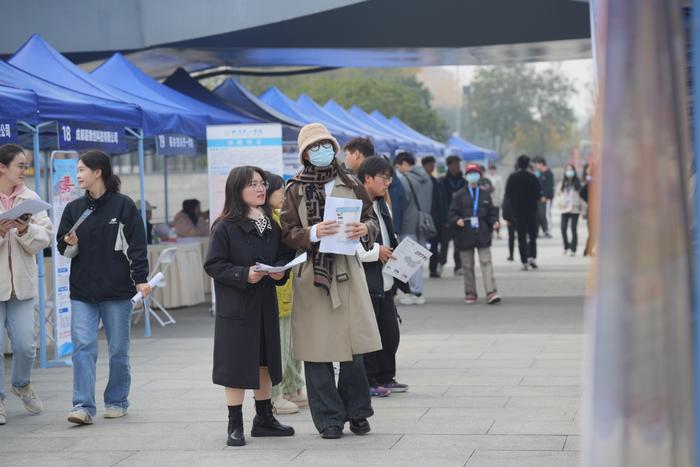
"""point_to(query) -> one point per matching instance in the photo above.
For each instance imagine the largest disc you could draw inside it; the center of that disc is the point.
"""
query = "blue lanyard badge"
(474, 220)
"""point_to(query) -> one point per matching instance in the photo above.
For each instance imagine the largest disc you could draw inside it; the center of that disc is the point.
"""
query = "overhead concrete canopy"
(160, 35)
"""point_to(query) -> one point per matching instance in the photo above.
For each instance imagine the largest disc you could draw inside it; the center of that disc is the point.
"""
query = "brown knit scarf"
(314, 180)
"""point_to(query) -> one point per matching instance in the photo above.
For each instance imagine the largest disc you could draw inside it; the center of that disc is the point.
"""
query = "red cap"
(472, 168)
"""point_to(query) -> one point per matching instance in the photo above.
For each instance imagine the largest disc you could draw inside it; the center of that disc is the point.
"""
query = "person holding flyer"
(246, 331)
(20, 240)
(474, 218)
(332, 316)
(376, 174)
(108, 266)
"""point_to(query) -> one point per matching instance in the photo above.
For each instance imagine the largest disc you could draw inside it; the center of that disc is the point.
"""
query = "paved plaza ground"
(490, 386)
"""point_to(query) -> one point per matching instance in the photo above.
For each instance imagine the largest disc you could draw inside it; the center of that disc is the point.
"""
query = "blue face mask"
(321, 157)
(569, 173)
(537, 173)
(473, 177)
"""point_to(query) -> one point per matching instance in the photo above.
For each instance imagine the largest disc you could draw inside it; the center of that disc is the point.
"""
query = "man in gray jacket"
(419, 197)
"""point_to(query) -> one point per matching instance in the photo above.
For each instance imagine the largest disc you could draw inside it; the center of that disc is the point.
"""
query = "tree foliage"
(521, 108)
(392, 92)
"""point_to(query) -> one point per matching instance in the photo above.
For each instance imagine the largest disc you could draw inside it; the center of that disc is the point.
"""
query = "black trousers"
(511, 239)
(333, 405)
(381, 365)
(565, 218)
(542, 216)
(447, 235)
(435, 244)
(526, 226)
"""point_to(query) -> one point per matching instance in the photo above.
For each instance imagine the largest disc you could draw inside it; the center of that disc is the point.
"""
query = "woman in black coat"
(246, 333)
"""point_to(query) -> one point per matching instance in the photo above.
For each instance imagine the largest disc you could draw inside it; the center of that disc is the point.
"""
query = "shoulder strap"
(415, 198)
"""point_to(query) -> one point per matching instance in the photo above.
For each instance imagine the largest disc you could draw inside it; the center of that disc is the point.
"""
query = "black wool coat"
(462, 207)
(246, 331)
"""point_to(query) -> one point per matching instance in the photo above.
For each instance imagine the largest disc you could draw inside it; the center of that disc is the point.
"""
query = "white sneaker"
(3, 413)
(420, 300)
(283, 407)
(29, 398)
(408, 299)
(299, 398)
(114, 412)
(79, 416)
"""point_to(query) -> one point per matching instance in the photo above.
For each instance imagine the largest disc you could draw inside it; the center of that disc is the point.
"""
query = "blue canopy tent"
(468, 151)
(406, 143)
(335, 109)
(238, 97)
(380, 141)
(396, 122)
(280, 102)
(430, 145)
(233, 97)
(161, 116)
(18, 104)
(424, 145)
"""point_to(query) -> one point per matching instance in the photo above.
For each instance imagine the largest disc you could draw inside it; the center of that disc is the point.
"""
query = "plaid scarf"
(314, 180)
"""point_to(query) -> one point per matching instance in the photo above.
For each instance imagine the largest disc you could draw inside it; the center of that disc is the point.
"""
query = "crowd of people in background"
(334, 315)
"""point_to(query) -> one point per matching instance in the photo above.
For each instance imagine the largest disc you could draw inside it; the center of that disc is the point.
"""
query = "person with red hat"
(474, 218)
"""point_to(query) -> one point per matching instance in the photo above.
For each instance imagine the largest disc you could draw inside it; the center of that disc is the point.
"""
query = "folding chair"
(165, 259)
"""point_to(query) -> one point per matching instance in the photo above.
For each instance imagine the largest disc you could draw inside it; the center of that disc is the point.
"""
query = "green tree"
(520, 105)
(392, 92)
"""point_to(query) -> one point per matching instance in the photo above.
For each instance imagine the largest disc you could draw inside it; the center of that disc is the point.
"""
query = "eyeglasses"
(321, 144)
(22, 167)
(387, 179)
(257, 185)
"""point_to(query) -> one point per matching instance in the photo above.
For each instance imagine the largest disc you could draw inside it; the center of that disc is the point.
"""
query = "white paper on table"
(265, 268)
(31, 206)
(152, 283)
(343, 211)
(410, 256)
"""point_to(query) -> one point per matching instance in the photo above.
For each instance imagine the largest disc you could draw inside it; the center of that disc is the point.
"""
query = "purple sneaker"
(395, 386)
(379, 391)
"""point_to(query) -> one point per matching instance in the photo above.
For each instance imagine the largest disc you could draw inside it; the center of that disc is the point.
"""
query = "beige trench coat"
(329, 327)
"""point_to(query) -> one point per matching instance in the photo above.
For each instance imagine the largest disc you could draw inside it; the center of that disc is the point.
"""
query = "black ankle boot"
(236, 436)
(265, 423)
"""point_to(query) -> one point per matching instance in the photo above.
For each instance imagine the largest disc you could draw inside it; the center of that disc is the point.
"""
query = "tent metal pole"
(138, 134)
(695, 67)
(165, 188)
(43, 360)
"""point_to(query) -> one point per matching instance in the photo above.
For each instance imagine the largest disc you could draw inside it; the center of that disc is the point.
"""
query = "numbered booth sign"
(81, 136)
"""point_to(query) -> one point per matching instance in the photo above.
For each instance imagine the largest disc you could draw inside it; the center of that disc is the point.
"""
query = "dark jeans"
(447, 235)
(542, 217)
(526, 226)
(333, 405)
(574, 234)
(381, 365)
(435, 244)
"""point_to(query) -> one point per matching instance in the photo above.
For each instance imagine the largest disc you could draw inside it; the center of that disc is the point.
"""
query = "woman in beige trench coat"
(332, 317)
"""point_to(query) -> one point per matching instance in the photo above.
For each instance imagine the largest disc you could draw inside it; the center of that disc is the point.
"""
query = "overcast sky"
(579, 71)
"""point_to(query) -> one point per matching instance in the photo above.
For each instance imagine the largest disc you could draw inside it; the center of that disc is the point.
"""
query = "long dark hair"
(574, 181)
(235, 209)
(95, 160)
(188, 207)
(8, 152)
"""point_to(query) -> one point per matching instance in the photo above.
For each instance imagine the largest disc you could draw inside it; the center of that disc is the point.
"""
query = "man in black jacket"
(452, 182)
(376, 173)
(544, 207)
(523, 192)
